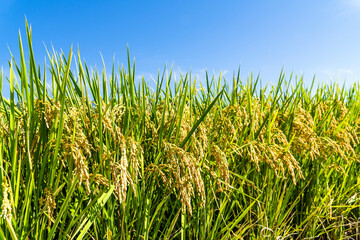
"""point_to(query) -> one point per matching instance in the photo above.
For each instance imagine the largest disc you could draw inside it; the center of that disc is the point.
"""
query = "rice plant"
(89, 155)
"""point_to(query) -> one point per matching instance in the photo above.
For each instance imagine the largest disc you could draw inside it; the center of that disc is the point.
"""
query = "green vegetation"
(106, 157)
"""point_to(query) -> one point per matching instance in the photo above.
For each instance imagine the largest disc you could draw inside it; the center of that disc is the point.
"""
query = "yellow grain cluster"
(249, 131)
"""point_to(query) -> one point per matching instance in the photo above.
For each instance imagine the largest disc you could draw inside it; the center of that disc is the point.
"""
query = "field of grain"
(90, 155)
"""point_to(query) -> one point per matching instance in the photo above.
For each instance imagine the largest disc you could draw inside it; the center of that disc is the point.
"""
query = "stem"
(183, 225)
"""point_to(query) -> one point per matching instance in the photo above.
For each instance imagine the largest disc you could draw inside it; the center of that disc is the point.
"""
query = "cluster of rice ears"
(90, 155)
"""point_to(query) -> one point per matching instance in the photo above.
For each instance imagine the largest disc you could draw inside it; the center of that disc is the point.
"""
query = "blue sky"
(306, 37)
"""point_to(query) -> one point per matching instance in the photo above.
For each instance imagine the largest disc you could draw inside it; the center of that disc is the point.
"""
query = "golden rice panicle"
(231, 119)
(185, 175)
(119, 172)
(199, 184)
(49, 110)
(326, 114)
(48, 204)
(305, 138)
(6, 205)
(225, 130)
(271, 150)
(122, 167)
(114, 169)
(342, 110)
(180, 178)
(329, 147)
(134, 156)
(259, 152)
(222, 164)
(100, 179)
(159, 170)
(292, 166)
(76, 146)
(107, 121)
(81, 169)
(186, 192)
(346, 141)
(185, 125)
(346, 136)
(117, 112)
(4, 129)
(284, 155)
(253, 155)
(200, 143)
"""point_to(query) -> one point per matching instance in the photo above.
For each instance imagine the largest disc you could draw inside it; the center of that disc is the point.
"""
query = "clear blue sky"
(306, 37)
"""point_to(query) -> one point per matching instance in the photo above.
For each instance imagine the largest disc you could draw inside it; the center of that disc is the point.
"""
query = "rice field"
(89, 155)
